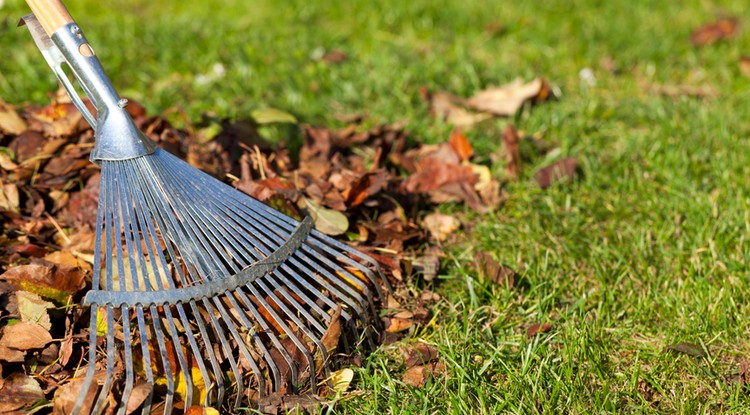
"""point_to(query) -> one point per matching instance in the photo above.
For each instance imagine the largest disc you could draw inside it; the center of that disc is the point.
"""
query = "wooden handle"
(51, 14)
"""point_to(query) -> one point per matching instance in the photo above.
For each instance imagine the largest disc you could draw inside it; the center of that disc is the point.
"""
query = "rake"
(199, 291)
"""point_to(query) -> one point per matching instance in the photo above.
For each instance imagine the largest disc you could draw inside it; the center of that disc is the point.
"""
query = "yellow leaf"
(341, 379)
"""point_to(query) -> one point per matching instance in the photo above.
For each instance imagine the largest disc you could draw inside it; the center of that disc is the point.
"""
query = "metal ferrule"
(117, 137)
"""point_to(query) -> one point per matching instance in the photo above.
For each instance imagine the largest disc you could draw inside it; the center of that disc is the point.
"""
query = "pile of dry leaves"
(374, 188)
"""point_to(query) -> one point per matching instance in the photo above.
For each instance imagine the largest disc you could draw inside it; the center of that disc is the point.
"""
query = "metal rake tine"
(165, 363)
(241, 313)
(107, 387)
(287, 329)
(110, 238)
(181, 358)
(241, 345)
(158, 272)
(142, 331)
(218, 381)
(219, 333)
(129, 376)
(89, 379)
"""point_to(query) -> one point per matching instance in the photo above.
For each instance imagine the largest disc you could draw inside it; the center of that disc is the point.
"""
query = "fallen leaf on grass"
(335, 56)
(421, 354)
(535, 329)
(272, 116)
(512, 151)
(744, 64)
(440, 225)
(674, 91)
(417, 376)
(19, 391)
(447, 107)
(341, 379)
(278, 403)
(722, 29)
(688, 348)
(331, 337)
(563, 170)
(489, 268)
(396, 324)
(460, 145)
(507, 99)
(647, 391)
(10, 121)
(24, 335)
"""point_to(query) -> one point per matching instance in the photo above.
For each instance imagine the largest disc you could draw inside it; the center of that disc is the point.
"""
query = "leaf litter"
(374, 187)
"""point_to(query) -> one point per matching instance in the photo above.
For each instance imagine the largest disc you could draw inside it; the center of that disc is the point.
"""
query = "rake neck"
(117, 137)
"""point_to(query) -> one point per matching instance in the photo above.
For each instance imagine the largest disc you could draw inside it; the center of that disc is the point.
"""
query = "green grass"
(649, 248)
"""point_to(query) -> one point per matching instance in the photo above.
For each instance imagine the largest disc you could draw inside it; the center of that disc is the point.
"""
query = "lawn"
(647, 248)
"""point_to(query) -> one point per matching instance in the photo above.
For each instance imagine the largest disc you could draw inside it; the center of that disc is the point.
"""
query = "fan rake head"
(200, 293)
(206, 292)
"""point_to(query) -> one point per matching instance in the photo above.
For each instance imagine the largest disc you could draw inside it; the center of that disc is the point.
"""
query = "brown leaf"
(562, 170)
(688, 348)
(674, 91)
(10, 122)
(331, 337)
(8, 301)
(512, 152)
(507, 99)
(460, 144)
(24, 335)
(744, 64)
(28, 249)
(279, 403)
(366, 186)
(67, 394)
(722, 29)
(56, 119)
(335, 56)
(11, 355)
(417, 376)
(51, 281)
(138, 396)
(535, 329)
(447, 107)
(421, 355)
(396, 325)
(19, 391)
(488, 268)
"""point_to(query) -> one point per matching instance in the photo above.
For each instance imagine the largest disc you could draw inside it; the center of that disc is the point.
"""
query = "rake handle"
(51, 14)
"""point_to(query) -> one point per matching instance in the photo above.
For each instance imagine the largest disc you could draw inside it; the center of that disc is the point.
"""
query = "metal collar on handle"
(117, 137)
